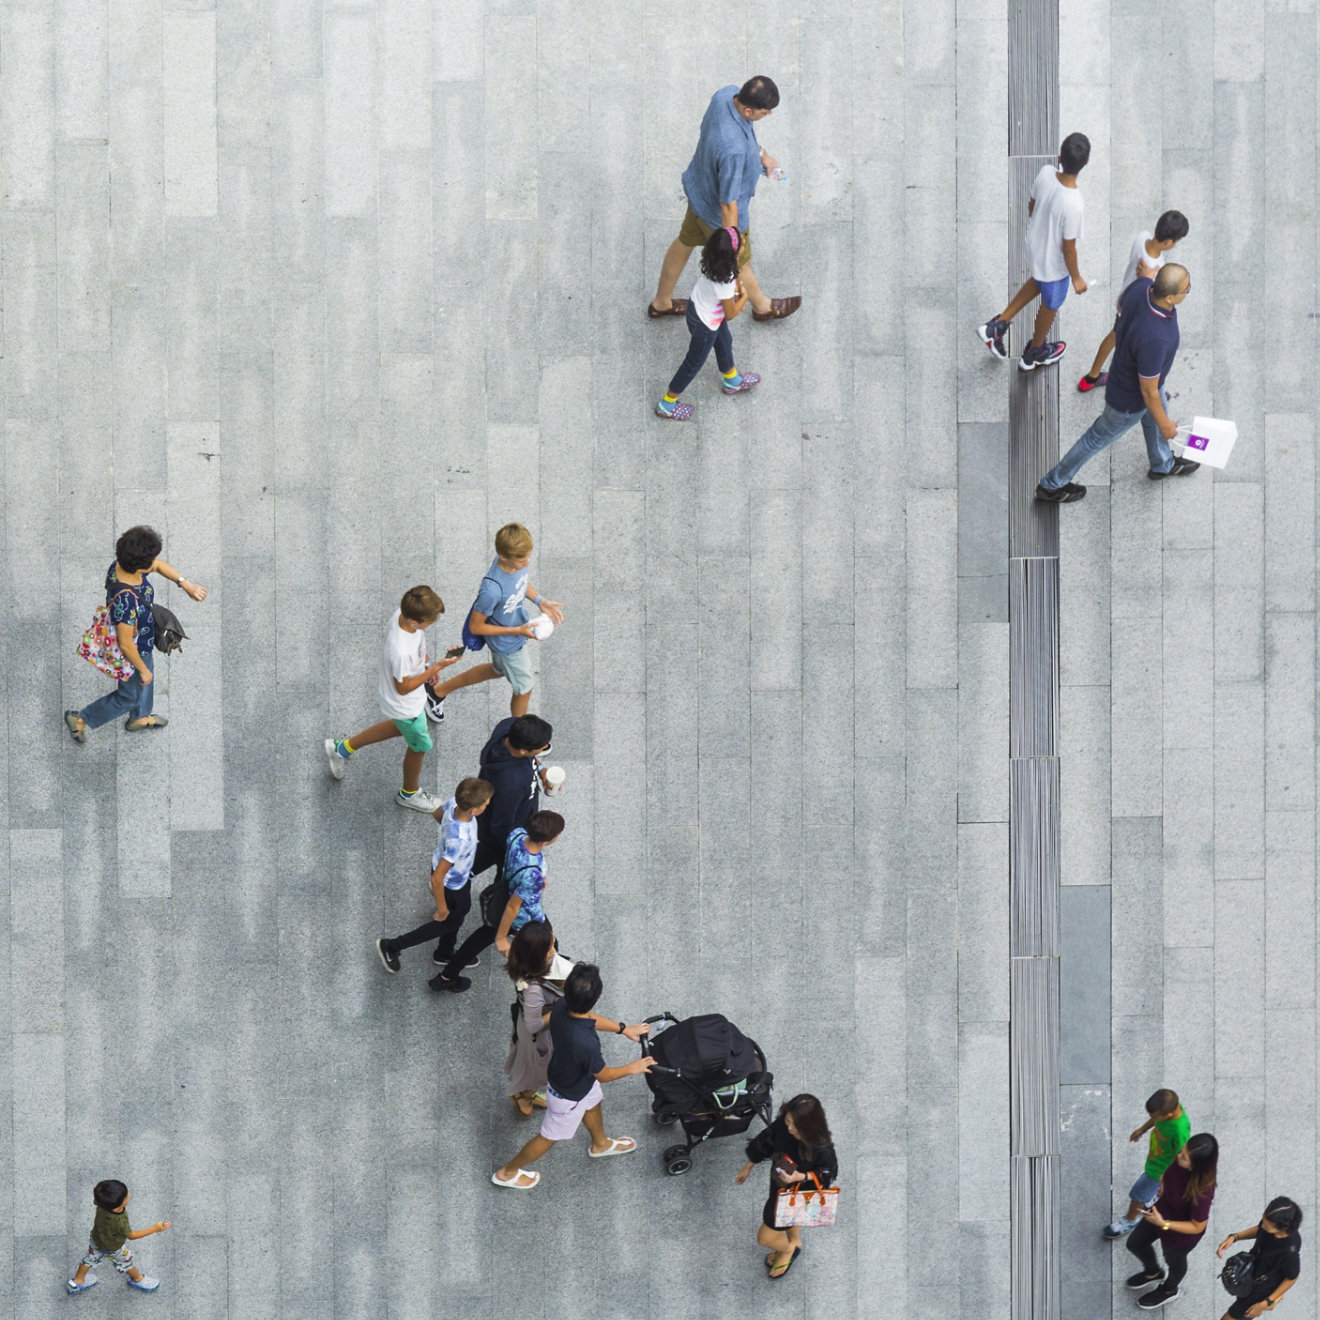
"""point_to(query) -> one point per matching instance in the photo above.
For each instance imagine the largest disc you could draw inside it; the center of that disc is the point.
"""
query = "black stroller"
(708, 1077)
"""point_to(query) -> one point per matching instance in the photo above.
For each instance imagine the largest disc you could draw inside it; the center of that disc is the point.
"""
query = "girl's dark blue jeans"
(703, 340)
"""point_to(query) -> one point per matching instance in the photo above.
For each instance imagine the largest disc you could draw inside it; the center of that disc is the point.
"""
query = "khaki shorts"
(694, 232)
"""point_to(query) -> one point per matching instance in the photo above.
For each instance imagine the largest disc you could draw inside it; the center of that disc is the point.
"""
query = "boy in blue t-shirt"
(499, 614)
(451, 876)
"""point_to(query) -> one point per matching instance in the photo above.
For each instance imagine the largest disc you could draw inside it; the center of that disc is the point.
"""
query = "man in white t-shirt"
(1149, 252)
(1054, 225)
(405, 669)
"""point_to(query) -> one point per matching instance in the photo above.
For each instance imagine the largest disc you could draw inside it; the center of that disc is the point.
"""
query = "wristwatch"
(622, 1028)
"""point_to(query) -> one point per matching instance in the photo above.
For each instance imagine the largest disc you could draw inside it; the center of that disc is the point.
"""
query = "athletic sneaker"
(442, 960)
(1041, 357)
(1182, 467)
(743, 381)
(336, 758)
(455, 986)
(145, 1284)
(419, 801)
(388, 956)
(1120, 1226)
(992, 336)
(1070, 494)
(1086, 384)
(1161, 1296)
(89, 1282)
(1140, 1281)
(674, 412)
(435, 708)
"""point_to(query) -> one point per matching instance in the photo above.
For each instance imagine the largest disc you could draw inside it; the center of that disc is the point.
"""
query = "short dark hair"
(138, 548)
(544, 826)
(1074, 153)
(1163, 1101)
(1171, 225)
(421, 605)
(759, 93)
(719, 259)
(582, 987)
(1284, 1212)
(471, 792)
(529, 733)
(109, 1194)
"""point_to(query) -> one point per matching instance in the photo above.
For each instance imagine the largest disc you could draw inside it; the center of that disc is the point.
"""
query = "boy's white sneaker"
(337, 762)
(145, 1284)
(419, 801)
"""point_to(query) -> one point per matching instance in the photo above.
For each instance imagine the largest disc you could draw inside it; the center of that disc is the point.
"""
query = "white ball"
(544, 626)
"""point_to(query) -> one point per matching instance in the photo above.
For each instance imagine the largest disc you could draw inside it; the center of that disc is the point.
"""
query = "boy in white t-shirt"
(405, 669)
(717, 297)
(1148, 254)
(1053, 227)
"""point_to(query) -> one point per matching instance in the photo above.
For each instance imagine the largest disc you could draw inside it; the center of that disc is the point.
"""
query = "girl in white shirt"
(717, 297)
(1149, 251)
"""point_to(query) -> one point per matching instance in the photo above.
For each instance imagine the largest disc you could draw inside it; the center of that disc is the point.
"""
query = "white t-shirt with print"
(404, 655)
(457, 846)
(1057, 215)
(707, 299)
(1139, 254)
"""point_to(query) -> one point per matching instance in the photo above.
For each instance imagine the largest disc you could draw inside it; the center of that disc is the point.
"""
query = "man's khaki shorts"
(694, 232)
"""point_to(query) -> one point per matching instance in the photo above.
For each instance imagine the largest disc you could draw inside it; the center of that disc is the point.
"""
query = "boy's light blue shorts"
(516, 666)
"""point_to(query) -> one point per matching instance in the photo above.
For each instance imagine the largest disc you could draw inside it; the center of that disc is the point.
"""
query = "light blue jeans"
(1101, 434)
(131, 698)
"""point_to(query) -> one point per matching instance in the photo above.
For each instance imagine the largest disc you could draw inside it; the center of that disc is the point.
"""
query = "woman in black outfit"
(1176, 1221)
(799, 1143)
(1277, 1257)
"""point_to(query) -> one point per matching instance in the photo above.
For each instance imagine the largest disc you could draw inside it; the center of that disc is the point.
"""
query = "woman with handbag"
(128, 602)
(1177, 1221)
(532, 967)
(1275, 1260)
(801, 1148)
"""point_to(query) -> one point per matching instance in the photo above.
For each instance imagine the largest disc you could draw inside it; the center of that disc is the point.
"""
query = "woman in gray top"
(531, 957)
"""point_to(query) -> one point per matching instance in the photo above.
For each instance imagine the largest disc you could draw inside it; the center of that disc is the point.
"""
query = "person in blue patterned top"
(129, 595)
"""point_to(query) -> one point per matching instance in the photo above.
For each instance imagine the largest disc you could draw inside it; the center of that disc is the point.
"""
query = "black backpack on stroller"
(709, 1078)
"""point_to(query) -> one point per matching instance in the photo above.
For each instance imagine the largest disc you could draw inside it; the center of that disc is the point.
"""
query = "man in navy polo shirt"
(719, 184)
(1147, 342)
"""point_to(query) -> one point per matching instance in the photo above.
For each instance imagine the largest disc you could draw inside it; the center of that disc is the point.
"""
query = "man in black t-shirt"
(1147, 335)
(574, 1076)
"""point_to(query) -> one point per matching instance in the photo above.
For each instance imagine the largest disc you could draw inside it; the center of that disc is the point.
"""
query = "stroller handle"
(646, 1040)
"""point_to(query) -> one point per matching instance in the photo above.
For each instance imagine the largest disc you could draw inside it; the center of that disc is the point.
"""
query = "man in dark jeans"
(510, 764)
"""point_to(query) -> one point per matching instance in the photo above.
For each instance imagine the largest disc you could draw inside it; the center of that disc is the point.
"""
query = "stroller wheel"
(678, 1159)
(666, 1118)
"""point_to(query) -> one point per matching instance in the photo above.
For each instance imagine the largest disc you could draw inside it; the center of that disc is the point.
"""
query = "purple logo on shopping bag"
(1197, 442)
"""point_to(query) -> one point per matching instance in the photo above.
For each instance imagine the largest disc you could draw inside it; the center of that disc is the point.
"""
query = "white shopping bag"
(1210, 440)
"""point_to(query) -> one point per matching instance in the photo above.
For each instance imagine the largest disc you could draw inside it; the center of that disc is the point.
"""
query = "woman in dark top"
(1177, 1221)
(130, 596)
(799, 1143)
(1277, 1256)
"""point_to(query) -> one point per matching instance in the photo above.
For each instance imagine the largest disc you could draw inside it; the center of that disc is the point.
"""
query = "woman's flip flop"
(513, 1184)
(618, 1146)
(788, 1266)
(74, 721)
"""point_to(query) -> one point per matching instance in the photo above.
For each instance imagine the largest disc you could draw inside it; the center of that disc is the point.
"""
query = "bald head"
(1170, 279)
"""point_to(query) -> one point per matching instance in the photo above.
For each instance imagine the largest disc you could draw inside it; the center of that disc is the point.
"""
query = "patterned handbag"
(800, 1206)
(100, 647)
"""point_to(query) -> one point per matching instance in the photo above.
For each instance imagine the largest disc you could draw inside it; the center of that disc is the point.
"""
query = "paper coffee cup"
(554, 779)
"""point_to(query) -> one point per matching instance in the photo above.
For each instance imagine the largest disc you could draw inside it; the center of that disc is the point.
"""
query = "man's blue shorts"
(1053, 292)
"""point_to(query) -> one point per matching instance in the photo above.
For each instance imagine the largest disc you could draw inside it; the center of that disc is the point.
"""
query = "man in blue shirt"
(719, 184)
(1147, 342)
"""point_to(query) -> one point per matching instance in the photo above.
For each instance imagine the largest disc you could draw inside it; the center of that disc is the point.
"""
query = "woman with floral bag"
(802, 1150)
(127, 655)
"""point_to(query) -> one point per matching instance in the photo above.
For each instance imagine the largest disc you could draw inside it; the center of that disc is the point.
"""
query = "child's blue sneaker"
(744, 381)
(144, 1284)
(89, 1282)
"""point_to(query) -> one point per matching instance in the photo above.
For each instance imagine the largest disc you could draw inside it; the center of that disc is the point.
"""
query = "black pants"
(1141, 1243)
(484, 936)
(445, 933)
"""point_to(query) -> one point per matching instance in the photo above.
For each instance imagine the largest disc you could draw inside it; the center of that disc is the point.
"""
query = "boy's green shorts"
(415, 733)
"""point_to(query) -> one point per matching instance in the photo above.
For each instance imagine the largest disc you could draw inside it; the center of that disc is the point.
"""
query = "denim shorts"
(1145, 1189)
(1053, 292)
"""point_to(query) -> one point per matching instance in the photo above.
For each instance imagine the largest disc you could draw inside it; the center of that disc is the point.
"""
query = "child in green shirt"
(110, 1237)
(1169, 1129)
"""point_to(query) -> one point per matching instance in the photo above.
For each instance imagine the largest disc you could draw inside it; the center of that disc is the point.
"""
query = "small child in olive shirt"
(110, 1236)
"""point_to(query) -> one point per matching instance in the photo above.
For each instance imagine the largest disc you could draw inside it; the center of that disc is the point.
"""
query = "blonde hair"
(472, 793)
(513, 541)
(421, 605)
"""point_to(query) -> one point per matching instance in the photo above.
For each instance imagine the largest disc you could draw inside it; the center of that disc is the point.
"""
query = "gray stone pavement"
(329, 292)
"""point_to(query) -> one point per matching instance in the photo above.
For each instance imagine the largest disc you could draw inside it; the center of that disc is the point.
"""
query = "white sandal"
(618, 1146)
(513, 1184)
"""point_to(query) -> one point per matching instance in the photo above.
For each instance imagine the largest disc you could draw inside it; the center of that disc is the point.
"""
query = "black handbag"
(1239, 1273)
(169, 631)
(495, 898)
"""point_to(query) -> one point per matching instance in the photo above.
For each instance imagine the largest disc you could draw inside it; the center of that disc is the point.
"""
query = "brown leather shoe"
(779, 308)
(677, 307)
